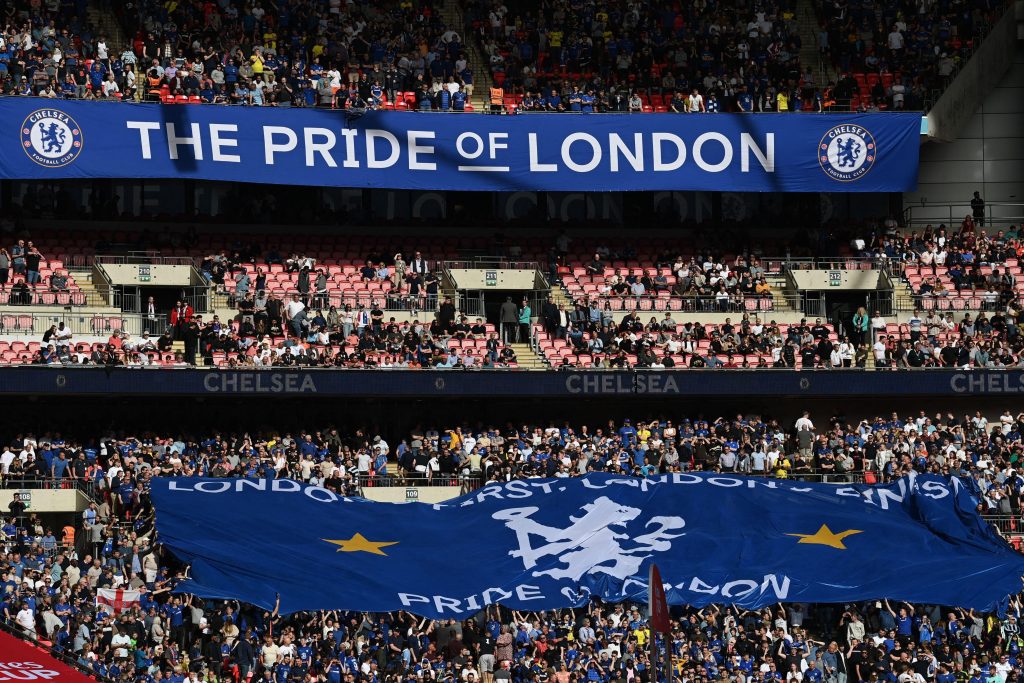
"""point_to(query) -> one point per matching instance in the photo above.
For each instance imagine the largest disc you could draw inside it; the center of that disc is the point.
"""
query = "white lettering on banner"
(323, 147)
(478, 145)
(25, 671)
(416, 150)
(493, 139)
(217, 142)
(936, 490)
(350, 148)
(653, 383)
(174, 141)
(317, 493)
(371, 149)
(987, 383)
(595, 152)
(739, 588)
(659, 164)
(270, 147)
(536, 166)
(258, 383)
(736, 589)
(875, 496)
(144, 128)
(765, 157)
(635, 156)
(698, 152)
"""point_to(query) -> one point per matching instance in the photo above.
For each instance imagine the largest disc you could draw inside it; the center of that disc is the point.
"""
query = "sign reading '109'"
(556, 152)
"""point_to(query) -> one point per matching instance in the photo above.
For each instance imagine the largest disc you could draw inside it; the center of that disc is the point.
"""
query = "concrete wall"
(976, 80)
(408, 494)
(160, 275)
(850, 279)
(987, 155)
(466, 278)
(47, 500)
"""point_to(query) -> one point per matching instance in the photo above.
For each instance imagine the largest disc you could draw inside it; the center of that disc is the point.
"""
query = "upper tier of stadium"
(776, 56)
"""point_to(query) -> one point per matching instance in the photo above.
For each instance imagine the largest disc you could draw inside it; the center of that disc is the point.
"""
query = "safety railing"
(467, 482)
(490, 262)
(997, 214)
(387, 300)
(102, 325)
(836, 263)
(143, 258)
(86, 486)
(732, 303)
(952, 303)
(66, 658)
(43, 296)
(1006, 524)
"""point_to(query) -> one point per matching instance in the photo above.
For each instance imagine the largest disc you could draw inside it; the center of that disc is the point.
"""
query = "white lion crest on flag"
(590, 544)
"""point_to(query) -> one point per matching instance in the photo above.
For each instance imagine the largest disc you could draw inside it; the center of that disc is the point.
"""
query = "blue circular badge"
(847, 152)
(51, 138)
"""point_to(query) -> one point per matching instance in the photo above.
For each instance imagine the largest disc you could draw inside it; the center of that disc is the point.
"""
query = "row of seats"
(27, 323)
(663, 301)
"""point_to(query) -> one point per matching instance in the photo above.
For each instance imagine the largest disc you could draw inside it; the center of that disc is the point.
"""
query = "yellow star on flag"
(359, 544)
(825, 536)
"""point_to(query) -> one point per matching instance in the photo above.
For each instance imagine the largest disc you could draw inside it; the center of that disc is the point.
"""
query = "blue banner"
(23, 380)
(548, 543)
(425, 151)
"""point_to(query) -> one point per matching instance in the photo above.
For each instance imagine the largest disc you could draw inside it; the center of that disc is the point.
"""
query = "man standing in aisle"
(509, 317)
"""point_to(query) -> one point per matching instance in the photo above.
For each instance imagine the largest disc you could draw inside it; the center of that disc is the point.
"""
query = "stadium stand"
(620, 57)
(898, 56)
(369, 287)
(52, 575)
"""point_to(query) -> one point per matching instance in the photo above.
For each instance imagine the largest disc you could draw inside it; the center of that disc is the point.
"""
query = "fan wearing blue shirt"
(587, 102)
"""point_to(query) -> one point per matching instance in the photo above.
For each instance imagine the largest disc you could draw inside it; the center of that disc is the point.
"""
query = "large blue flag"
(547, 543)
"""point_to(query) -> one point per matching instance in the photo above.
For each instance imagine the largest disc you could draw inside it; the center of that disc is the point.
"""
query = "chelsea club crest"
(846, 152)
(51, 138)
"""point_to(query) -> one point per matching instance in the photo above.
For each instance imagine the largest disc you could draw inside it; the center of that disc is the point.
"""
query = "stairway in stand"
(106, 24)
(807, 24)
(451, 13)
(527, 359)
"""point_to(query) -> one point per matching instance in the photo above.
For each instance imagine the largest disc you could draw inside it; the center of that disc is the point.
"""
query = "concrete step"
(526, 357)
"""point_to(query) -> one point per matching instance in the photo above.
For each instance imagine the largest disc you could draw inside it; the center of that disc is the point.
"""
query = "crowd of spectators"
(275, 54)
(901, 54)
(623, 56)
(947, 267)
(559, 56)
(588, 337)
(251, 278)
(50, 576)
(287, 334)
(698, 283)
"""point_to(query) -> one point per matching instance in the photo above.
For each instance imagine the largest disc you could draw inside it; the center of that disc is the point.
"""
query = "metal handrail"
(1006, 524)
(88, 487)
(836, 263)
(697, 303)
(485, 110)
(955, 212)
(388, 302)
(45, 297)
(954, 303)
(63, 657)
(495, 262)
(386, 480)
(143, 258)
(77, 323)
